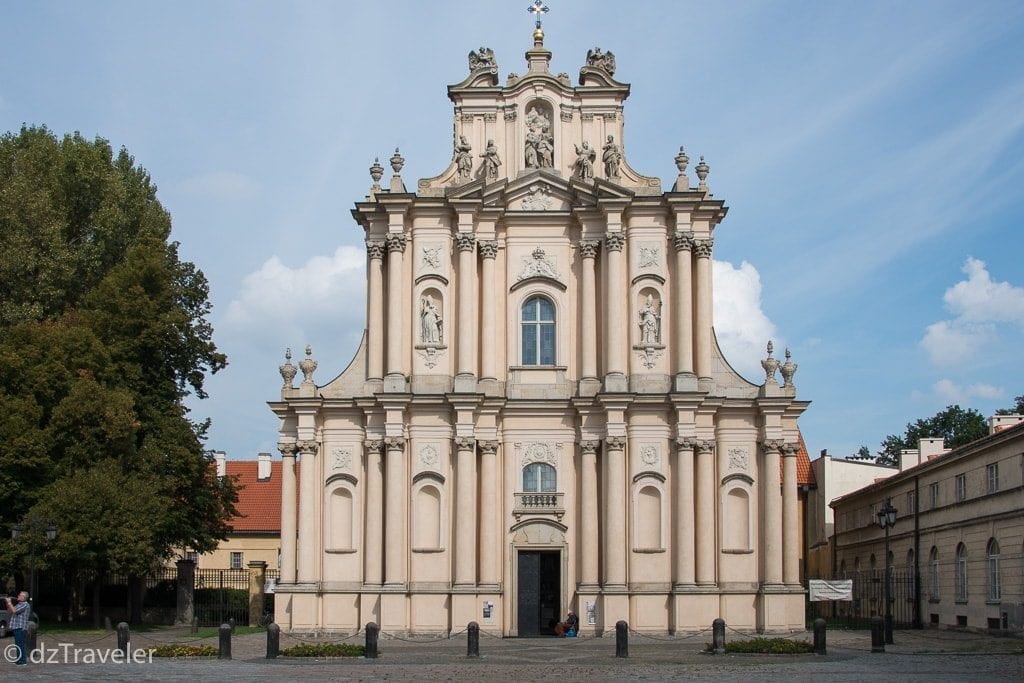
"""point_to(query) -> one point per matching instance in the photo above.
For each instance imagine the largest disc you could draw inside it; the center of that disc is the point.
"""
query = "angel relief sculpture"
(601, 60)
(484, 59)
(540, 145)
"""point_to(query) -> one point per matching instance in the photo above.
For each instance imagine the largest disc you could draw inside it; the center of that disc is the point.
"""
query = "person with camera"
(20, 612)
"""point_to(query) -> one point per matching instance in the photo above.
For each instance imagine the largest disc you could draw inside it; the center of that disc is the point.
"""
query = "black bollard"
(31, 639)
(231, 623)
(819, 636)
(888, 629)
(877, 634)
(124, 637)
(621, 639)
(273, 640)
(225, 642)
(372, 634)
(473, 639)
(718, 636)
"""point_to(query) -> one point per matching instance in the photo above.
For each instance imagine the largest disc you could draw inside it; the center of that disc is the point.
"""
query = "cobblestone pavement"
(916, 655)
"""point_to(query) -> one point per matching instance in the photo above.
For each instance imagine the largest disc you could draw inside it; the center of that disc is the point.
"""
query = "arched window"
(995, 589)
(933, 573)
(538, 332)
(961, 573)
(539, 477)
(842, 569)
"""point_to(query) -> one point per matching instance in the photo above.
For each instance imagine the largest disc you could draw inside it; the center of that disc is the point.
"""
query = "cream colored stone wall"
(253, 549)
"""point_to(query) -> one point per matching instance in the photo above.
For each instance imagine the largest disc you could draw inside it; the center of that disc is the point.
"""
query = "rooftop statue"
(601, 60)
(584, 164)
(463, 158)
(484, 59)
(612, 157)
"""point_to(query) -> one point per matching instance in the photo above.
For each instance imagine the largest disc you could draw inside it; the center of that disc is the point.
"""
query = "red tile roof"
(804, 473)
(259, 500)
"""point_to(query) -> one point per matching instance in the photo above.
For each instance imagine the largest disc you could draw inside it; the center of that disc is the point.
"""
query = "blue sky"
(870, 153)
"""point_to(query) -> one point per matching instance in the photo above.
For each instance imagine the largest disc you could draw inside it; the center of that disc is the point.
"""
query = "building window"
(236, 560)
(992, 475)
(995, 590)
(933, 574)
(933, 492)
(539, 477)
(538, 326)
(961, 573)
(911, 502)
(961, 487)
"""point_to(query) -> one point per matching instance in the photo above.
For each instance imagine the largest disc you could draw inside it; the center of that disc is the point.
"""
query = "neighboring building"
(539, 417)
(959, 534)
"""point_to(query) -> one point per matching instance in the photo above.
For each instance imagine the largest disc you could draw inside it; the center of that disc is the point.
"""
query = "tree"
(954, 424)
(863, 452)
(103, 334)
(1017, 409)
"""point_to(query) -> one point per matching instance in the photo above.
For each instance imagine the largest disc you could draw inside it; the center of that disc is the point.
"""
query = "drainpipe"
(917, 554)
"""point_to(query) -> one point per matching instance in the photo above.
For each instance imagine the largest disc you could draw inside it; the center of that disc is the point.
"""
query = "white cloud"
(950, 392)
(222, 185)
(742, 327)
(979, 304)
(324, 288)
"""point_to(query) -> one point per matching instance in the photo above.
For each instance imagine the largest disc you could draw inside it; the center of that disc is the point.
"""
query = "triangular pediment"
(538, 191)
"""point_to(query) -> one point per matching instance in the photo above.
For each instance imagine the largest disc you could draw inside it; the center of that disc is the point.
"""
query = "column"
(703, 322)
(373, 520)
(790, 522)
(465, 241)
(396, 250)
(489, 512)
(375, 316)
(615, 512)
(394, 511)
(683, 296)
(589, 537)
(772, 520)
(308, 526)
(489, 251)
(685, 526)
(705, 513)
(465, 512)
(588, 296)
(616, 308)
(288, 511)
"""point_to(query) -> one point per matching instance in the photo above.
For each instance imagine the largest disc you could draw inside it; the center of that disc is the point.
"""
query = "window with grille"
(538, 332)
(236, 560)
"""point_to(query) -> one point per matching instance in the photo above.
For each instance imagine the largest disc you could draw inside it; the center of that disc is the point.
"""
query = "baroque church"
(539, 418)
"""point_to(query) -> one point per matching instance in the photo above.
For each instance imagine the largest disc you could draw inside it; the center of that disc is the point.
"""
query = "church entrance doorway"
(539, 596)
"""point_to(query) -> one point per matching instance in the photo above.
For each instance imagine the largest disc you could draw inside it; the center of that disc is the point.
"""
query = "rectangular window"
(961, 487)
(911, 502)
(933, 492)
(529, 344)
(992, 475)
(547, 345)
(236, 560)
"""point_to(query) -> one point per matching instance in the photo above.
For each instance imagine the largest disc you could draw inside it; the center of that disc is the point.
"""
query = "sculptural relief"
(739, 459)
(429, 456)
(537, 200)
(482, 59)
(612, 157)
(430, 258)
(430, 322)
(540, 145)
(649, 257)
(649, 455)
(601, 60)
(537, 264)
(341, 458)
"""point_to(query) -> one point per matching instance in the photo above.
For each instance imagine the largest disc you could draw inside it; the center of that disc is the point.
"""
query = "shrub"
(325, 650)
(767, 646)
(184, 651)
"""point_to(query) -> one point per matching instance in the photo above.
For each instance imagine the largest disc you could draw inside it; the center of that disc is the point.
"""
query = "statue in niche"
(540, 145)
(612, 157)
(584, 164)
(491, 160)
(601, 60)
(650, 323)
(430, 322)
(463, 158)
(484, 59)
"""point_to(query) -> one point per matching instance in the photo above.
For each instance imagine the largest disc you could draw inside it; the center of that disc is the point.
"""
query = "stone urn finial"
(682, 160)
(788, 369)
(308, 365)
(376, 172)
(770, 364)
(397, 161)
(288, 370)
(702, 173)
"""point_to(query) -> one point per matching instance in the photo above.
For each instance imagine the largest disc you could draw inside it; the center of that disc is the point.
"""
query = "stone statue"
(601, 60)
(491, 160)
(584, 164)
(650, 323)
(484, 59)
(532, 160)
(430, 322)
(612, 157)
(540, 145)
(546, 151)
(463, 158)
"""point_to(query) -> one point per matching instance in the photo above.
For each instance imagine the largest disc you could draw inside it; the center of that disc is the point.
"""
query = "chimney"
(998, 423)
(220, 457)
(263, 467)
(910, 457)
(932, 447)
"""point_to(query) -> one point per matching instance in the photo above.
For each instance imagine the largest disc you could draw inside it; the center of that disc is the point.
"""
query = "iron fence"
(869, 601)
(221, 595)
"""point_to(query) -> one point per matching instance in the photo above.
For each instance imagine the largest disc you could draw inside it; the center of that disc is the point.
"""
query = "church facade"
(539, 418)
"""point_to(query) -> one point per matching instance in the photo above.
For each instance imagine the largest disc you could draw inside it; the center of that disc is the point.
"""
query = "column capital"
(287, 448)
(488, 447)
(395, 241)
(686, 443)
(307, 446)
(590, 446)
(789, 450)
(614, 241)
(772, 445)
(616, 443)
(683, 241)
(465, 443)
(589, 248)
(375, 249)
(488, 248)
(395, 443)
(465, 241)
(374, 445)
(705, 446)
(702, 248)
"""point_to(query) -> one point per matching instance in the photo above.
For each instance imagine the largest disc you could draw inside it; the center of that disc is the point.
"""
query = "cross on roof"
(537, 9)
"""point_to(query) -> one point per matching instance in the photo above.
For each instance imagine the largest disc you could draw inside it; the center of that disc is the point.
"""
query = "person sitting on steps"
(571, 623)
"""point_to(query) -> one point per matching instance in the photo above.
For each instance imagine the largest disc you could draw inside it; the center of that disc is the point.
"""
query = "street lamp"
(32, 526)
(886, 520)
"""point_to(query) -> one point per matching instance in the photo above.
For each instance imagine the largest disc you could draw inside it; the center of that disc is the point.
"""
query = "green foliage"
(184, 651)
(954, 424)
(1016, 409)
(767, 646)
(864, 452)
(324, 650)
